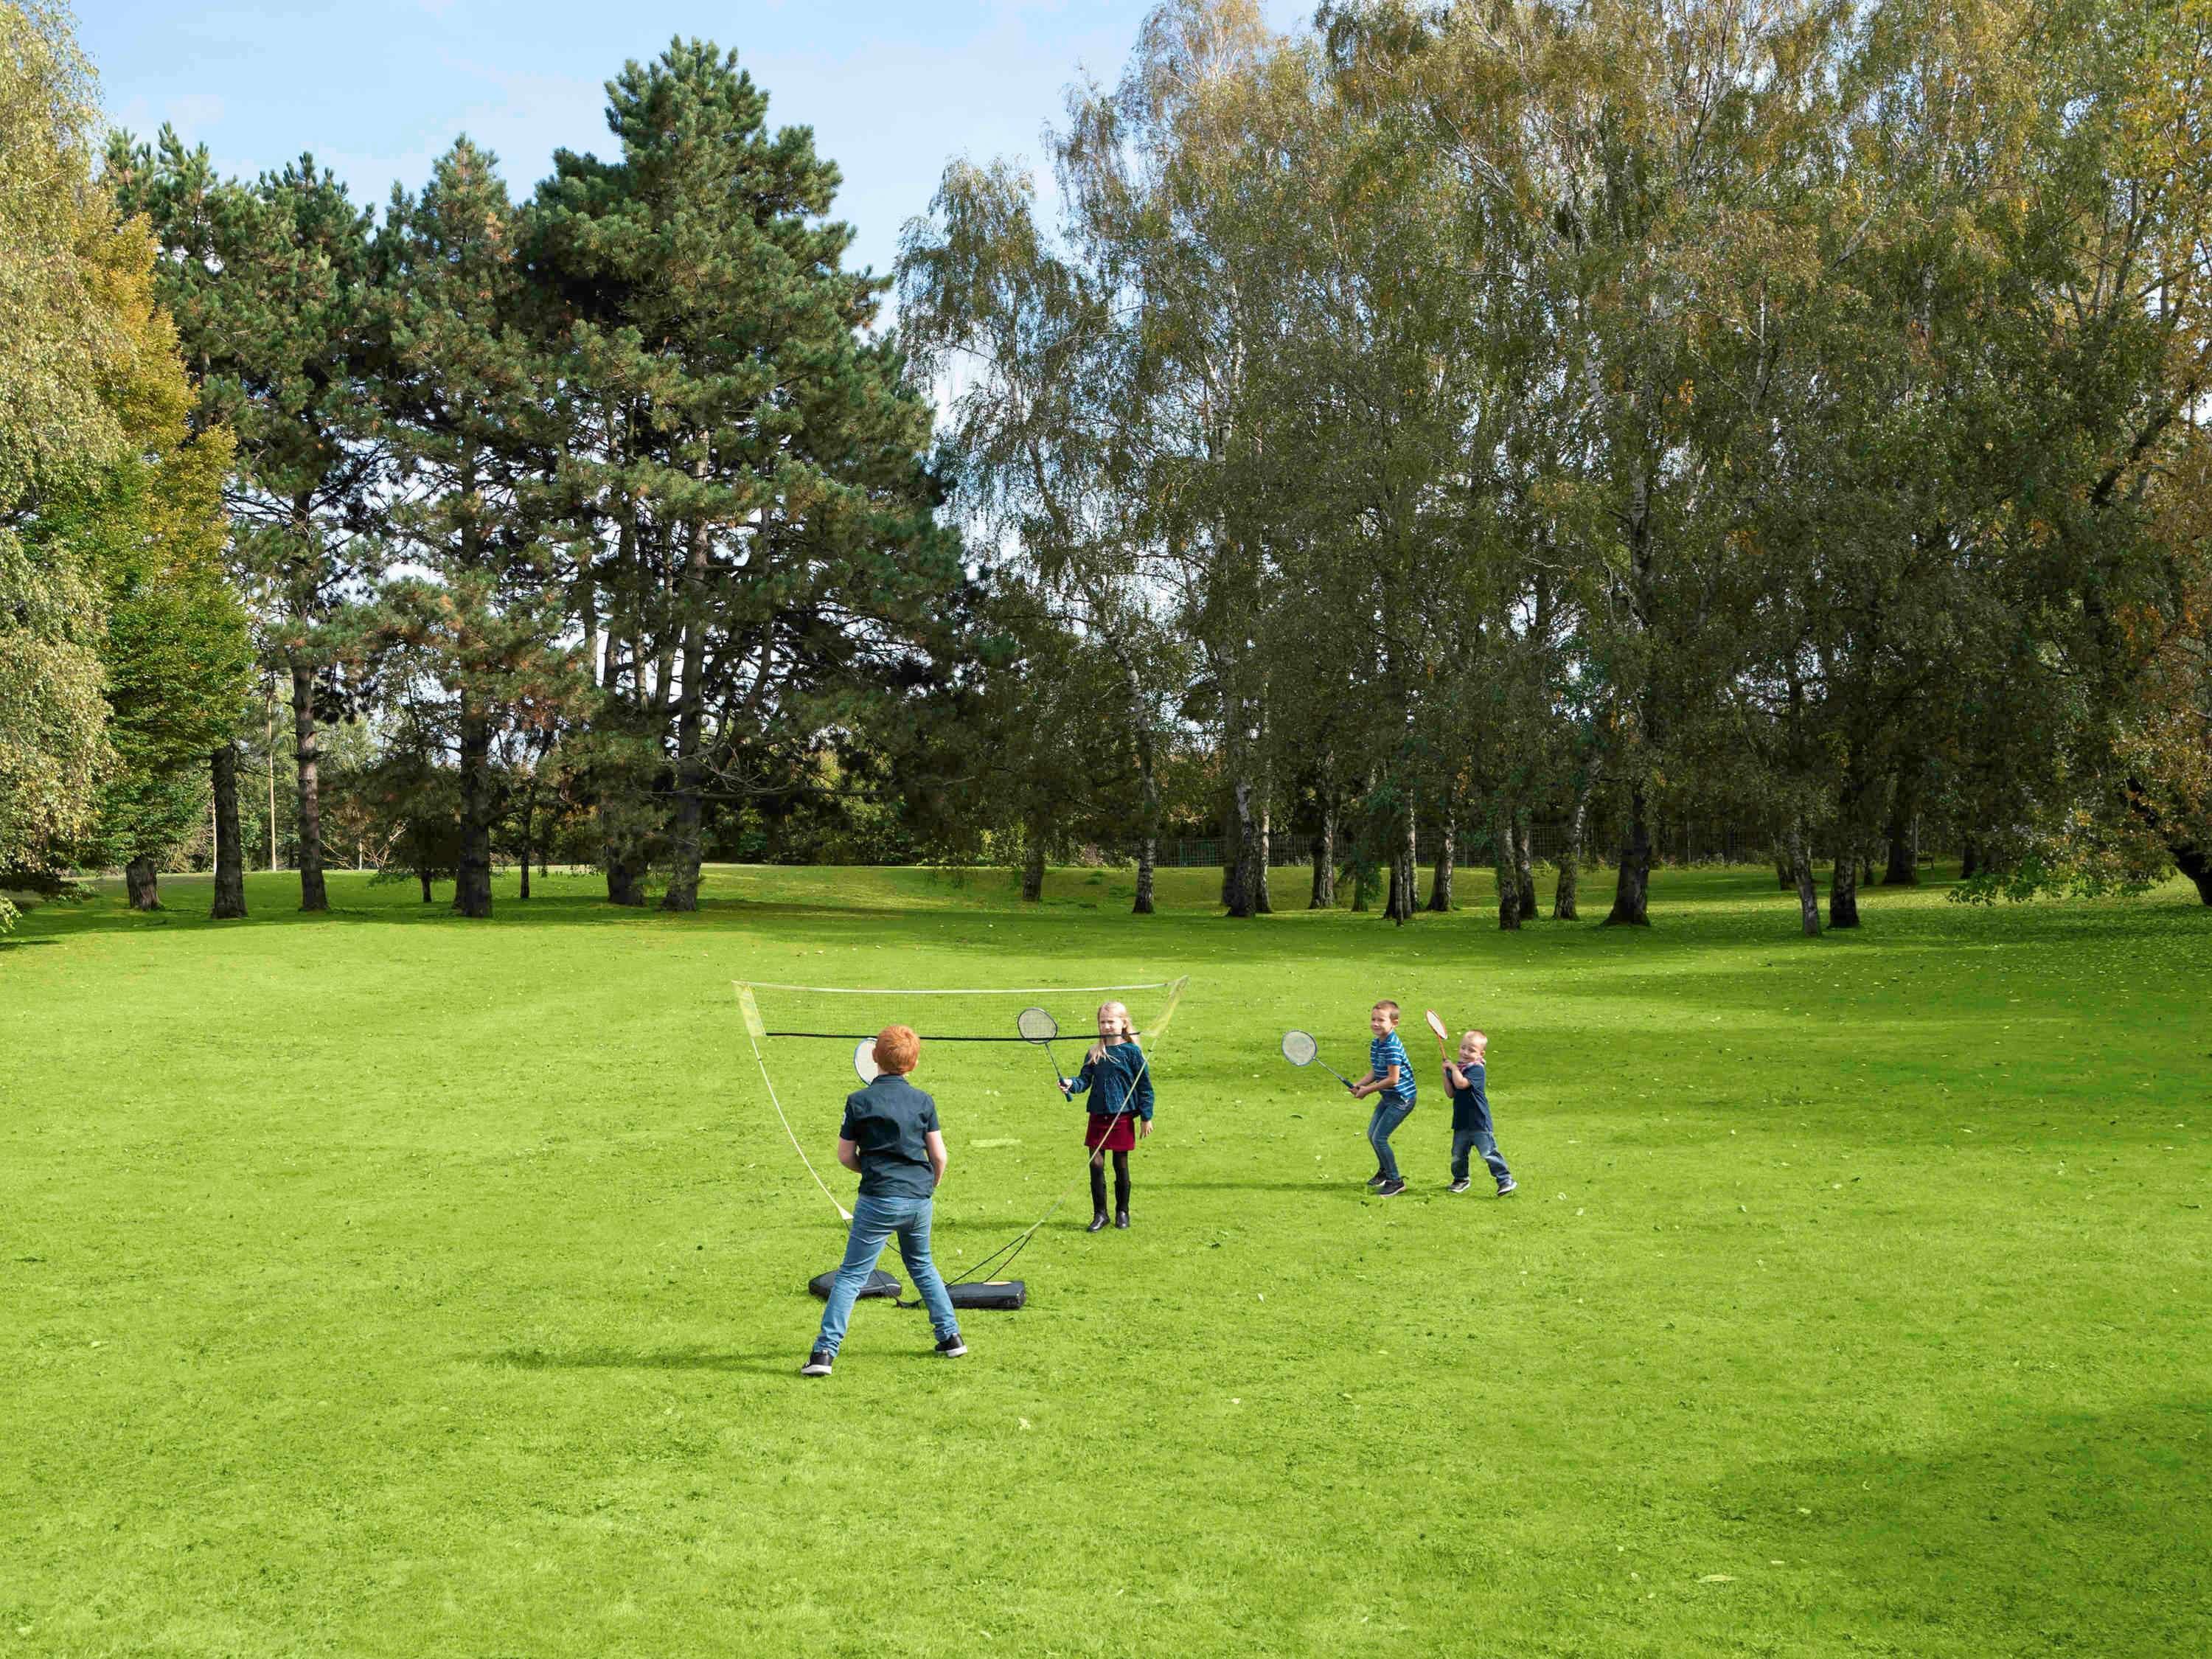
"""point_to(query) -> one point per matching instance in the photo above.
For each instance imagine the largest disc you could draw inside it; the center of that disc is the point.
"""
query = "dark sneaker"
(1390, 1189)
(818, 1363)
(1097, 1221)
(1376, 1179)
(1462, 1184)
(1121, 1219)
(1508, 1185)
(951, 1347)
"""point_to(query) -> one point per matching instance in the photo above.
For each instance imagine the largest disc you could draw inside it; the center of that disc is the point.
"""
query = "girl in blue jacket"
(1120, 1108)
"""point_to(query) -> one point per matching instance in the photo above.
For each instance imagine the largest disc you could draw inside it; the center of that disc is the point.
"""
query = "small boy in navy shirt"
(1390, 1075)
(1471, 1130)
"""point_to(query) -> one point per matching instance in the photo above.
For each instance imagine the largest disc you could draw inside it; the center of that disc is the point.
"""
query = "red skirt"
(1117, 1133)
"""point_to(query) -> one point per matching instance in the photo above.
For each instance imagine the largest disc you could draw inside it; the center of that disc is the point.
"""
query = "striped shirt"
(1382, 1054)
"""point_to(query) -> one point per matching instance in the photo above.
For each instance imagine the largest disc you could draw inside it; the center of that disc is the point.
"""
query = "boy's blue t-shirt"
(1382, 1054)
(1123, 1082)
(1470, 1105)
(890, 1121)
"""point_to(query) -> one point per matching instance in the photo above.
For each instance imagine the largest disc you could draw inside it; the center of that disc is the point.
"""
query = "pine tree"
(464, 388)
(775, 537)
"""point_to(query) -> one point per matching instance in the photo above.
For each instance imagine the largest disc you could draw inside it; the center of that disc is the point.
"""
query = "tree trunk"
(1148, 790)
(1508, 862)
(1782, 878)
(229, 849)
(1440, 882)
(1571, 859)
(2196, 864)
(1632, 901)
(423, 876)
(1903, 859)
(1263, 851)
(1969, 857)
(625, 866)
(1405, 880)
(685, 847)
(139, 881)
(1523, 841)
(1362, 888)
(1033, 869)
(1844, 884)
(1324, 858)
(472, 873)
(526, 860)
(1240, 886)
(1800, 877)
(2190, 856)
(312, 897)
(1903, 868)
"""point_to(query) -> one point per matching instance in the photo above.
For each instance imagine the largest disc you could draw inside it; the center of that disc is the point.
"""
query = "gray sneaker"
(1461, 1185)
(1508, 1185)
(818, 1363)
(951, 1347)
(1390, 1189)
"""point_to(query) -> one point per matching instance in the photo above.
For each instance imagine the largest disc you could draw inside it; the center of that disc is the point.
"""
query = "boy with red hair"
(891, 1135)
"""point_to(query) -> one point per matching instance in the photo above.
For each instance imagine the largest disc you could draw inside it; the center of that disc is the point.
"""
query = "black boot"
(1120, 1218)
(1098, 1199)
(1097, 1220)
(1121, 1189)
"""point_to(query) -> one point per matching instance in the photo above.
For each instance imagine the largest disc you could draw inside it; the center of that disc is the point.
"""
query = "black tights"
(1120, 1182)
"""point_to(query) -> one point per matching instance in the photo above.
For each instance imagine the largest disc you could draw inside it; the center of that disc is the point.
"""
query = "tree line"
(1768, 409)
(1438, 421)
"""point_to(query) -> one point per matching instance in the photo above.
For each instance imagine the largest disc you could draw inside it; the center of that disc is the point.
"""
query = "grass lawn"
(387, 1283)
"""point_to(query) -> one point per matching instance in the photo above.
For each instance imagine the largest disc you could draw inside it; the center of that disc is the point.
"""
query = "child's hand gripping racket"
(1444, 1038)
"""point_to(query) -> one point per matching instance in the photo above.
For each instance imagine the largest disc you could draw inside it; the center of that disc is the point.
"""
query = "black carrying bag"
(1005, 1294)
(880, 1283)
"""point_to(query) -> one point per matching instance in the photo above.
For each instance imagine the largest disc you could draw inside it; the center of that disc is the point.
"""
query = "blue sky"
(377, 89)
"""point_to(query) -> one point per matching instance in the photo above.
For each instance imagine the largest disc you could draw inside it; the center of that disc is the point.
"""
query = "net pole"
(754, 1030)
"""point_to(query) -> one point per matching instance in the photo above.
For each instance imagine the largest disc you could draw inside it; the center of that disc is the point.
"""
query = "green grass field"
(387, 1284)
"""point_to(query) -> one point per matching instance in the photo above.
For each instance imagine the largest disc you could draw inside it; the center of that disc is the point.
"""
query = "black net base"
(1006, 1293)
(880, 1283)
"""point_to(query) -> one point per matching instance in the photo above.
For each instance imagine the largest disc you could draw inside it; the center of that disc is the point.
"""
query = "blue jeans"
(1478, 1140)
(874, 1221)
(1388, 1115)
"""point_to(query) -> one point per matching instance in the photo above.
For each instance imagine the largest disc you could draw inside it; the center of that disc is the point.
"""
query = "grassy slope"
(385, 1284)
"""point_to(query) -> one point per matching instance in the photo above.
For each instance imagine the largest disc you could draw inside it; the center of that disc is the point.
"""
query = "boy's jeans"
(874, 1221)
(1388, 1115)
(1482, 1140)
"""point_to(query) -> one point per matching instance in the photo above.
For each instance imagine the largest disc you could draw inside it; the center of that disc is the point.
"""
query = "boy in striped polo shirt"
(1390, 1075)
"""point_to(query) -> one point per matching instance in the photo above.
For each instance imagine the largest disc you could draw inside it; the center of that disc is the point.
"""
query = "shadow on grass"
(2090, 1530)
(778, 1364)
(658, 1359)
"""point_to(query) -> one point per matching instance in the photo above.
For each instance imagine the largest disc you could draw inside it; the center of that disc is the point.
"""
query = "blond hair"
(1098, 1048)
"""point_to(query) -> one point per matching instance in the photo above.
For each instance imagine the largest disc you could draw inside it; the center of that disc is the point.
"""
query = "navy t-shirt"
(890, 1121)
(1470, 1105)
